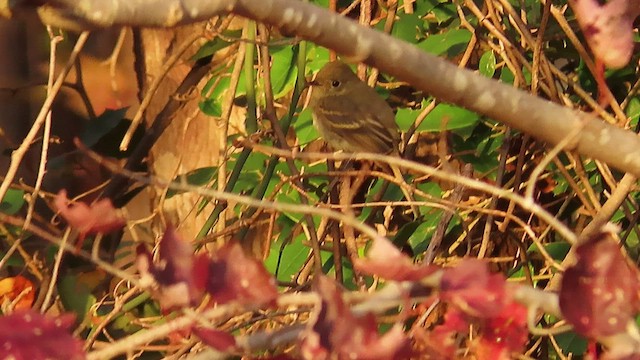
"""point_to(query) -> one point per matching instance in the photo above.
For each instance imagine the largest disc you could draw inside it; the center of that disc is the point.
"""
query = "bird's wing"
(371, 131)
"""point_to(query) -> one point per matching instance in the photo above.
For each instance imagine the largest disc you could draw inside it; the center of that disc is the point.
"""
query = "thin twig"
(245, 200)
(438, 234)
(107, 267)
(56, 270)
(524, 203)
(535, 174)
(112, 61)
(46, 134)
(19, 153)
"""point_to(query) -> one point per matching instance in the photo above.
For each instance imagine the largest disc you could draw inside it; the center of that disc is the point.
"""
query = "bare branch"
(542, 119)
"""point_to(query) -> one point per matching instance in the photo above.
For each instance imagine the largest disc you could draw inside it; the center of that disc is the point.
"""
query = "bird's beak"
(311, 83)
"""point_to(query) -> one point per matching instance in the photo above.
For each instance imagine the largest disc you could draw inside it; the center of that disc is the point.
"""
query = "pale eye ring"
(335, 83)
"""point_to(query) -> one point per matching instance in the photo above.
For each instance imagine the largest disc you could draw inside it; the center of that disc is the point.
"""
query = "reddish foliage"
(13, 287)
(100, 217)
(180, 278)
(173, 276)
(28, 335)
(503, 334)
(482, 299)
(217, 339)
(592, 350)
(335, 330)
(474, 289)
(441, 342)
(604, 94)
(608, 28)
(497, 338)
(233, 276)
(386, 261)
(599, 294)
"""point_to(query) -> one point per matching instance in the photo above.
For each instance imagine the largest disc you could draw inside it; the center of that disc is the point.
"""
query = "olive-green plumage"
(350, 115)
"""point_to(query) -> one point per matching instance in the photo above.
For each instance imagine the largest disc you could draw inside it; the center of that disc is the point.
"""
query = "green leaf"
(487, 64)
(247, 181)
(479, 149)
(486, 155)
(252, 173)
(445, 12)
(570, 343)
(407, 27)
(12, 202)
(215, 90)
(289, 195)
(304, 128)
(405, 232)
(526, 73)
(14, 260)
(450, 43)
(256, 162)
(283, 71)
(211, 107)
(420, 239)
(422, 7)
(197, 177)
(632, 244)
(151, 309)
(220, 87)
(317, 56)
(127, 323)
(557, 250)
(287, 260)
(213, 46)
(405, 117)
(519, 272)
(633, 111)
(506, 76)
(76, 296)
(431, 188)
(457, 118)
(348, 275)
(489, 146)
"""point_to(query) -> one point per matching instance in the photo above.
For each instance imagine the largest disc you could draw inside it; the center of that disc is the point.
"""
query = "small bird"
(350, 115)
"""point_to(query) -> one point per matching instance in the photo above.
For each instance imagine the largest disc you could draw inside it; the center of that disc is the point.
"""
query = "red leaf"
(386, 261)
(482, 299)
(608, 28)
(503, 334)
(28, 335)
(335, 330)
(497, 337)
(180, 278)
(442, 340)
(599, 294)
(100, 217)
(217, 339)
(233, 276)
(472, 288)
(176, 279)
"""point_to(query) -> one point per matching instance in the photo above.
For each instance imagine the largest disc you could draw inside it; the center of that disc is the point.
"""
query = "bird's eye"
(335, 83)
